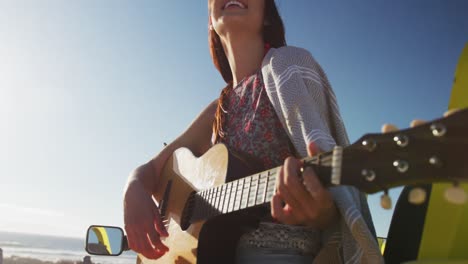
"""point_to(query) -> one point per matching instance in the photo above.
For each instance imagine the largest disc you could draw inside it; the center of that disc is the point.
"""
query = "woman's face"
(226, 15)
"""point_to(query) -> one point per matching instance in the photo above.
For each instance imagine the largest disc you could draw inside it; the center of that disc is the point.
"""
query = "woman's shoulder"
(289, 55)
(289, 58)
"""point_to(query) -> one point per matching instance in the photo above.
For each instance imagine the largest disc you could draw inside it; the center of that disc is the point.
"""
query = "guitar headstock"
(436, 151)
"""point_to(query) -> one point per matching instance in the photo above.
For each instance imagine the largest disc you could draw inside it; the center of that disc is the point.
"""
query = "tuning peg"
(369, 144)
(401, 140)
(386, 201)
(438, 130)
(450, 112)
(417, 196)
(417, 122)
(456, 195)
(387, 128)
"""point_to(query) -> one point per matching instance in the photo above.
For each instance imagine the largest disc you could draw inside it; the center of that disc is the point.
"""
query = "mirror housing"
(105, 240)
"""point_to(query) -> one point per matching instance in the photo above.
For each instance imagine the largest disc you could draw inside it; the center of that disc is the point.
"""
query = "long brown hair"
(273, 34)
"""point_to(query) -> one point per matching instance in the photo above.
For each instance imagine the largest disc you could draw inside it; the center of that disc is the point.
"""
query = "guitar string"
(192, 197)
(235, 204)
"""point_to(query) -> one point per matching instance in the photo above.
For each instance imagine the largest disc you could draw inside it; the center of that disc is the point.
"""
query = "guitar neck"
(433, 152)
(250, 191)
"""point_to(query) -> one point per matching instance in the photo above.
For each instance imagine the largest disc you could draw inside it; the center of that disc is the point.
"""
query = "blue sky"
(91, 89)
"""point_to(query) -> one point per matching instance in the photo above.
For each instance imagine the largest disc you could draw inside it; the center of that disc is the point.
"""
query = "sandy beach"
(23, 248)
(23, 260)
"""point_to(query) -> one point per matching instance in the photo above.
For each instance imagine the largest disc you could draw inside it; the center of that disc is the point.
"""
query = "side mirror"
(105, 240)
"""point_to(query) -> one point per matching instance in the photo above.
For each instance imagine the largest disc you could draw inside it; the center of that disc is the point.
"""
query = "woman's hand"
(143, 223)
(302, 201)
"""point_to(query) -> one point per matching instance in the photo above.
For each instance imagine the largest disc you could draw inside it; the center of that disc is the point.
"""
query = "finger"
(156, 241)
(387, 128)
(417, 122)
(280, 213)
(319, 194)
(131, 239)
(143, 246)
(315, 191)
(311, 182)
(158, 223)
(147, 249)
(451, 111)
(290, 186)
(324, 210)
(149, 252)
(313, 149)
(301, 199)
(276, 207)
(139, 242)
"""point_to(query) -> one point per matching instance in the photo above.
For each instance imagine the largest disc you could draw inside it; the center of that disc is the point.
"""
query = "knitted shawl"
(306, 105)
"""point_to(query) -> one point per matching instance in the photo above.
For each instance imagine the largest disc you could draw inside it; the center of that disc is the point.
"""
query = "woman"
(277, 106)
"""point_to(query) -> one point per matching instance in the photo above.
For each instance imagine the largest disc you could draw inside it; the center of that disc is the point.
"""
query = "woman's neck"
(244, 53)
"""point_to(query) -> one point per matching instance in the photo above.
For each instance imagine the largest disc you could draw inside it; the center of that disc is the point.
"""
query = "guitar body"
(182, 175)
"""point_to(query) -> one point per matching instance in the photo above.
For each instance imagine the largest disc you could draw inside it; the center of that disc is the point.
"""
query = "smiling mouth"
(234, 4)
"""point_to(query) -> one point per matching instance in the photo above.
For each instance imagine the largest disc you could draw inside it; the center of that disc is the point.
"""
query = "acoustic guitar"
(205, 201)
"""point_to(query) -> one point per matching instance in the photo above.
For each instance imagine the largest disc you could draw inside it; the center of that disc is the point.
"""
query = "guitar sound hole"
(187, 213)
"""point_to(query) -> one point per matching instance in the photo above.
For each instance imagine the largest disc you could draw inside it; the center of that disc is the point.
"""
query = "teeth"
(232, 3)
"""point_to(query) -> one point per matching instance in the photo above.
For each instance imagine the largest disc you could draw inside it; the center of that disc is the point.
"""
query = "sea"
(51, 248)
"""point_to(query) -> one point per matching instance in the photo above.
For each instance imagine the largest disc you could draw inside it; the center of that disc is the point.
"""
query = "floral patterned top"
(252, 128)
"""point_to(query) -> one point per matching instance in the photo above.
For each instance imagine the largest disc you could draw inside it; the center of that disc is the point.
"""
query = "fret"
(252, 191)
(271, 185)
(258, 196)
(211, 198)
(207, 209)
(223, 198)
(271, 188)
(209, 203)
(269, 196)
(215, 201)
(272, 178)
(216, 194)
(232, 196)
(262, 183)
(245, 193)
(226, 193)
(266, 187)
(240, 186)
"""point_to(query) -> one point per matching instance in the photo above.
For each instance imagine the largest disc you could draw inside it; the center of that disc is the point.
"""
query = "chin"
(235, 22)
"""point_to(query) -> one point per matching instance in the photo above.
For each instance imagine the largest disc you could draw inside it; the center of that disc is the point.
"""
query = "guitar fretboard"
(246, 192)
(234, 196)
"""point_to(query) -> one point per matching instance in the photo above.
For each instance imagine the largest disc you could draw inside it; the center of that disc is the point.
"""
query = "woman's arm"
(197, 138)
(143, 223)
